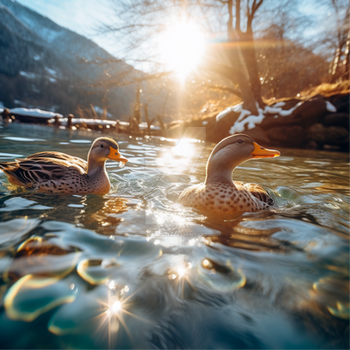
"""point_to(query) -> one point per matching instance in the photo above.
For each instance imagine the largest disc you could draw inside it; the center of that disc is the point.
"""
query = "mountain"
(42, 65)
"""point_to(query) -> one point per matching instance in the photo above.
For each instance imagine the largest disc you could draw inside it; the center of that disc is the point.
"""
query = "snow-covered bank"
(247, 120)
(34, 112)
(312, 122)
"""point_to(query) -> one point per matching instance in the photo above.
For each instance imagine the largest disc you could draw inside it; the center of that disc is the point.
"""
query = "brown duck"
(219, 194)
(60, 173)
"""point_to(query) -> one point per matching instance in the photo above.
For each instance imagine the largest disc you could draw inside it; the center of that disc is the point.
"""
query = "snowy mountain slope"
(36, 53)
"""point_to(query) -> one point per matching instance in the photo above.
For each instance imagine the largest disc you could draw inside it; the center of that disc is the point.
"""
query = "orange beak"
(261, 152)
(115, 155)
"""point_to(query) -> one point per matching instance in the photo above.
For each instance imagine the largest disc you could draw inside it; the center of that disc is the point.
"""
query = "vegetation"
(257, 49)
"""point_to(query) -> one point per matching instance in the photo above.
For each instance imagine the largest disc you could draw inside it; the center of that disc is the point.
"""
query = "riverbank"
(315, 119)
(319, 120)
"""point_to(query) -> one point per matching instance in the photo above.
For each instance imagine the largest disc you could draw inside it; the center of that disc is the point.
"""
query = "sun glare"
(116, 307)
(182, 47)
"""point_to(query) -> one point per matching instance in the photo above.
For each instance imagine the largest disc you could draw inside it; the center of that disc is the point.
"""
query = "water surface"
(135, 269)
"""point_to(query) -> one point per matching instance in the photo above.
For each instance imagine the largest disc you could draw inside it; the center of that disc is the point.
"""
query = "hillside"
(41, 65)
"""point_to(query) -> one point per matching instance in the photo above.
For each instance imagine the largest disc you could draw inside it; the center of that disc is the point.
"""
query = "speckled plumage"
(219, 194)
(59, 173)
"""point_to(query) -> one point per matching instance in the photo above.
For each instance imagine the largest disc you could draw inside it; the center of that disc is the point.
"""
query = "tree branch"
(224, 88)
(238, 16)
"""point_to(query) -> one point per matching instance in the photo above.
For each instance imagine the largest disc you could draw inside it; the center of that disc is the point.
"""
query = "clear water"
(134, 269)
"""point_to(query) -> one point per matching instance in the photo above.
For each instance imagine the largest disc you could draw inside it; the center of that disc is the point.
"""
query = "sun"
(182, 47)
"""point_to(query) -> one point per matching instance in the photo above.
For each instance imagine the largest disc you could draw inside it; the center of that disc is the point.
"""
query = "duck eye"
(101, 146)
(240, 141)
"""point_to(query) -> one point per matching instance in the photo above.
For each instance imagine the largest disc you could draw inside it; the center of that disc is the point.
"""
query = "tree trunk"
(236, 60)
(248, 52)
(137, 106)
(346, 61)
(335, 66)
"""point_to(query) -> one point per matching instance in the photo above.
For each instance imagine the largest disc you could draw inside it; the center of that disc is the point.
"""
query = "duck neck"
(95, 167)
(220, 170)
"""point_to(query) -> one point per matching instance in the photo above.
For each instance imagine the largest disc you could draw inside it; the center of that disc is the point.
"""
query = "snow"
(246, 119)
(48, 34)
(272, 110)
(279, 104)
(330, 107)
(244, 113)
(100, 111)
(283, 113)
(236, 108)
(37, 57)
(107, 123)
(64, 121)
(275, 109)
(51, 71)
(53, 80)
(251, 120)
(38, 113)
(28, 74)
(143, 126)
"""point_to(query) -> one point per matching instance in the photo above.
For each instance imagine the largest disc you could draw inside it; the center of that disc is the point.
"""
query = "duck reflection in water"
(99, 213)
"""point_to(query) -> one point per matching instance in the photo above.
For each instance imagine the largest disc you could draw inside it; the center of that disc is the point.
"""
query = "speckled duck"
(60, 173)
(219, 194)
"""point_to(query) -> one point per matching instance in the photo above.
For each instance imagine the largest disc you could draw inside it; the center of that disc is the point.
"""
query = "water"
(134, 269)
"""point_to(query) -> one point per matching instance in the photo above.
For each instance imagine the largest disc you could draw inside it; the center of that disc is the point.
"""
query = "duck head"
(102, 149)
(232, 151)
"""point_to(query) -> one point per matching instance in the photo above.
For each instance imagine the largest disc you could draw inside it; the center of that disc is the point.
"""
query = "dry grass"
(324, 89)
(327, 89)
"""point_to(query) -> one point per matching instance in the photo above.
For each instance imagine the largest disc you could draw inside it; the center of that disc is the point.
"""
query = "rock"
(288, 104)
(289, 136)
(331, 148)
(224, 125)
(259, 135)
(271, 121)
(312, 145)
(308, 113)
(337, 119)
(341, 102)
(331, 135)
(311, 111)
(343, 108)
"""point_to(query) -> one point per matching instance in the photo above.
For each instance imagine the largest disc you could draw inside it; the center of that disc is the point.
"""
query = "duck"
(219, 194)
(59, 173)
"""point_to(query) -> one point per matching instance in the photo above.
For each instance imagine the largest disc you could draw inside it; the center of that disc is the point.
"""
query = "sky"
(84, 16)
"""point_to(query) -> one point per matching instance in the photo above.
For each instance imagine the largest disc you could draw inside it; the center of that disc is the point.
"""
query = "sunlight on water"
(135, 269)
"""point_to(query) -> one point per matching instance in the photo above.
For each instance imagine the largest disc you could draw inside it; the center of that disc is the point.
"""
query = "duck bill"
(261, 152)
(115, 155)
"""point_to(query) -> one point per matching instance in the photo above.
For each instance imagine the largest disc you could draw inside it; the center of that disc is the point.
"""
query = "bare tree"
(236, 55)
(140, 22)
(340, 64)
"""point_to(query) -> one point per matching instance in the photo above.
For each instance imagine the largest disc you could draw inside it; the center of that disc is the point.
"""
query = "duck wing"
(258, 192)
(33, 171)
(61, 156)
